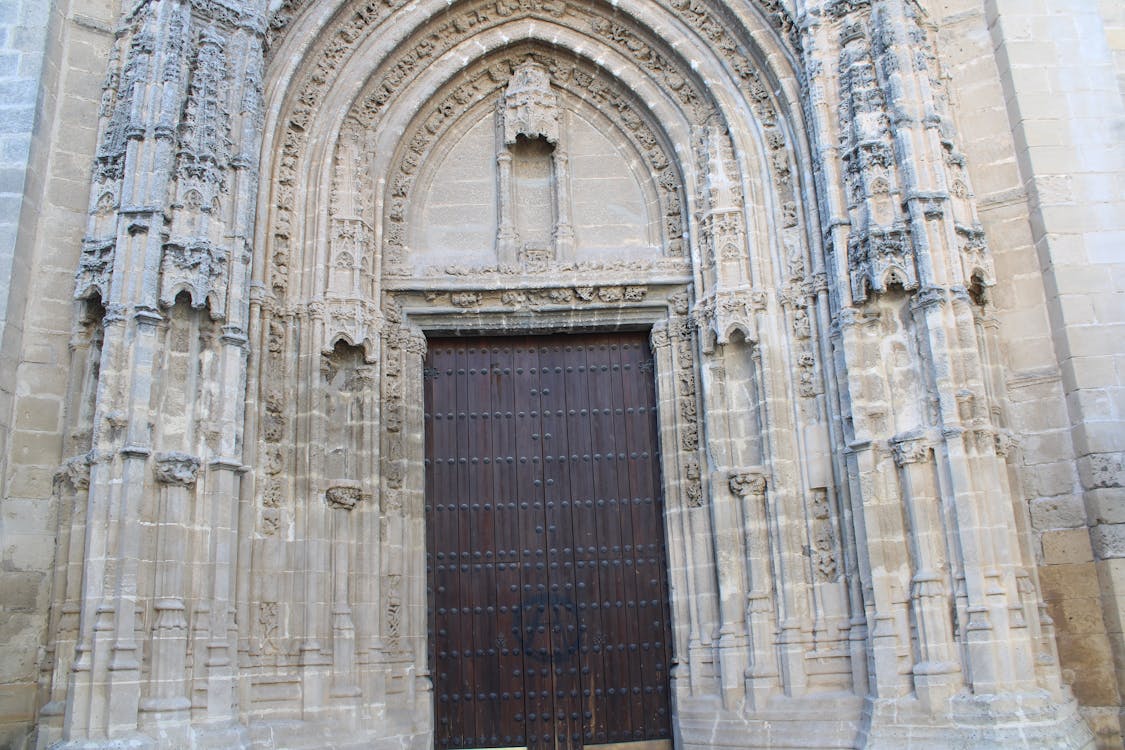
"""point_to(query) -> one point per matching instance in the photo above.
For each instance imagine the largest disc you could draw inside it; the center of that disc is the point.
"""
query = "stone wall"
(1037, 89)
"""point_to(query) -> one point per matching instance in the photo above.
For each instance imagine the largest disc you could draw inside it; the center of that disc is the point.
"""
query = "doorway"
(546, 571)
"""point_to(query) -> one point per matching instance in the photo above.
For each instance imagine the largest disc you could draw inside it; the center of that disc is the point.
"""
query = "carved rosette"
(175, 468)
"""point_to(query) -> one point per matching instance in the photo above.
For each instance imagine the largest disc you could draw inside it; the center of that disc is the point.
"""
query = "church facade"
(564, 373)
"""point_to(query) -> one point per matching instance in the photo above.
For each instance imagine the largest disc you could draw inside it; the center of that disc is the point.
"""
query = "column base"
(1002, 721)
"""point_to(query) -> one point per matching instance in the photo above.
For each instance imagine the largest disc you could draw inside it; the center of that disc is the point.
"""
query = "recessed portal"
(548, 599)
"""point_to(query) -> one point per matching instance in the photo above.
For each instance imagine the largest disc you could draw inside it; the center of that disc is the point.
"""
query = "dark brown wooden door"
(548, 602)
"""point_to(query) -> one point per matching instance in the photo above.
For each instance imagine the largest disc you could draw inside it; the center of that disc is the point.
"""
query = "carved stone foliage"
(774, 11)
(682, 340)
(541, 297)
(399, 342)
(237, 14)
(176, 468)
(616, 270)
(393, 617)
(76, 471)
(268, 627)
(274, 427)
(825, 546)
(911, 449)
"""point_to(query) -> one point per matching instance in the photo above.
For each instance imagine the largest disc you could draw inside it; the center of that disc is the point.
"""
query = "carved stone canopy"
(530, 109)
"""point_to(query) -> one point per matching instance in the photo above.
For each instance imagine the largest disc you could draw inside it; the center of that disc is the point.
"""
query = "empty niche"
(533, 193)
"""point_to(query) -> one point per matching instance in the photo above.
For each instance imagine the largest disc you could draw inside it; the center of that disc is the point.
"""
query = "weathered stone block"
(1108, 540)
(1070, 546)
(1069, 581)
(1064, 512)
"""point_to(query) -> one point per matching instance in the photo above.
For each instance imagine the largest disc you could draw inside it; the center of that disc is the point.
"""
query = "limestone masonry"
(873, 250)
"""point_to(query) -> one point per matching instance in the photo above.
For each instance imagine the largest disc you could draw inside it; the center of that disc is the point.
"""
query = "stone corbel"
(748, 482)
(343, 496)
(911, 448)
(175, 468)
(76, 470)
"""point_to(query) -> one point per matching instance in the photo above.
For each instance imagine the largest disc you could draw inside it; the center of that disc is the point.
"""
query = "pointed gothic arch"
(840, 573)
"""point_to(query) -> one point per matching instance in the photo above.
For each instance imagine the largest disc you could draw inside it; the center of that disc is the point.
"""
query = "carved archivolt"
(774, 11)
(605, 25)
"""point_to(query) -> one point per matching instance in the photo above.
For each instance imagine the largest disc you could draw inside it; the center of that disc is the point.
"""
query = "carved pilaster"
(342, 499)
(762, 678)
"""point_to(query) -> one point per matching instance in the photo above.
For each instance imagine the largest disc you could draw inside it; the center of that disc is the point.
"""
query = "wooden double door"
(547, 580)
